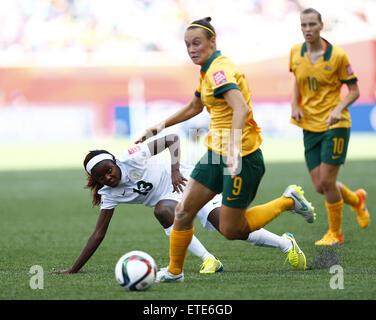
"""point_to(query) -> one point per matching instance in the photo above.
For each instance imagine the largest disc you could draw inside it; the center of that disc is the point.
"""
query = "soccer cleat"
(362, 214)
(330, 239)
(211, 265)
(295, 256)
(301, 205)
(163, 275)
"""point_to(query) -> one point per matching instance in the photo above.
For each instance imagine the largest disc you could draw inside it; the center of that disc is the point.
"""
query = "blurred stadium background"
(77, 75)
(82, 74)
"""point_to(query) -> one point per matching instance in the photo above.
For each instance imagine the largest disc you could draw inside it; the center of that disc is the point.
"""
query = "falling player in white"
(138, 177)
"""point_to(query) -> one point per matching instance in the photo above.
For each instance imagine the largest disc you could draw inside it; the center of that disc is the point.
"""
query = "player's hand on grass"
(62, 271)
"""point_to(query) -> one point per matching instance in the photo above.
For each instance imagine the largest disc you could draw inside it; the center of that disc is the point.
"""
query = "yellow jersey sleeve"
(345, 71)
(290, 60)
(198, 90)
(220, 76)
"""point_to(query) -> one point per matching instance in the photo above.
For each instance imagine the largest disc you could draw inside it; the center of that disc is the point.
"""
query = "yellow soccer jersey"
(320, 85)
(219, 75)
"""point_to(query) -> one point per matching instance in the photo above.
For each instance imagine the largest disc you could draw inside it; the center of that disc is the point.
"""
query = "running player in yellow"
(320, 70)
(233, 164)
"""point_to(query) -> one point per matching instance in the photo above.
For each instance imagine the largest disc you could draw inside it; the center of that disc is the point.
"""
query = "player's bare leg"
(195, 196)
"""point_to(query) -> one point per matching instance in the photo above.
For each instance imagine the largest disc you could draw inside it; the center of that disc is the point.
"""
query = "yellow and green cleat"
(211, 265)
(295, 256)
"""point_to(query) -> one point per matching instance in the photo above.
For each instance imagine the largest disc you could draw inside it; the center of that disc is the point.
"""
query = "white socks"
(265, 238)
(261, 238)
(194, 247)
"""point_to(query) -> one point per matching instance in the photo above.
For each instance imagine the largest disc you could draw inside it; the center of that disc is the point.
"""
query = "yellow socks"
(258, 216)
(348, 196)
(179, 242)
(335, 216)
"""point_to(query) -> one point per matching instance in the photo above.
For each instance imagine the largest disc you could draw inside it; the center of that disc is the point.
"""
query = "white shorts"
(203, 214)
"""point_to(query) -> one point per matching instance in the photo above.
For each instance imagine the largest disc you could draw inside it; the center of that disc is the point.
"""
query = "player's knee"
(327, 185)
(230, 233)
(164, 215)
(318, 188)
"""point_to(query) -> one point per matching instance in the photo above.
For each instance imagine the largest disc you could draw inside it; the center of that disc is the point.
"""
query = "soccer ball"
(135, 271)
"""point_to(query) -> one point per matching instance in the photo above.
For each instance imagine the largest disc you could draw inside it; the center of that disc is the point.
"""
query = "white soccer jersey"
(144, 179)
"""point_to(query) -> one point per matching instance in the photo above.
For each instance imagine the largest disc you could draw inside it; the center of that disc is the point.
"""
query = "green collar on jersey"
(208, 62)
(327, 53)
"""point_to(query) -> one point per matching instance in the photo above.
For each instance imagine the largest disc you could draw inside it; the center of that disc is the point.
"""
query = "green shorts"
(328, 147)
(237, 192)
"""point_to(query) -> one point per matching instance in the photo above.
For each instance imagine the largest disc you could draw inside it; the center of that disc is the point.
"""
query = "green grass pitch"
(46, 219)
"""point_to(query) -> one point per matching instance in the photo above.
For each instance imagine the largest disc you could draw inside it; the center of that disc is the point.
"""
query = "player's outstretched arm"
(172, 143)
(93, 242)
(189, 111)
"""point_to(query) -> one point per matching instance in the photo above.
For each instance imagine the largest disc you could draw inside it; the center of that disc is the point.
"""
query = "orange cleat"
(362, 214)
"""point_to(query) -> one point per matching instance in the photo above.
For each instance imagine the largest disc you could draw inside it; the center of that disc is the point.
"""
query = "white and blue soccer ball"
(136, 271)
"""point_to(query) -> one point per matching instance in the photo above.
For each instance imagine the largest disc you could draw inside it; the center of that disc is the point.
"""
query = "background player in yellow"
(233, 164)
(320, 70)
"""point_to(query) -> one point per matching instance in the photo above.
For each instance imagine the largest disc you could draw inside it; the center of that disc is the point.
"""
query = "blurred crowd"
(76, 32)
